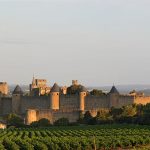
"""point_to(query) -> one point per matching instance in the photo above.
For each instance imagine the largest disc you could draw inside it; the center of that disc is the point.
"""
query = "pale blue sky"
(98, 42)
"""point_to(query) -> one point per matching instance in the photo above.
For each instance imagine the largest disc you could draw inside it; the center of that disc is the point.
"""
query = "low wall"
(52, 116)
(71, 116)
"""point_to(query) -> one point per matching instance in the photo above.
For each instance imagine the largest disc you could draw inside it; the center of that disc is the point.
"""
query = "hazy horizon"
(96, 42)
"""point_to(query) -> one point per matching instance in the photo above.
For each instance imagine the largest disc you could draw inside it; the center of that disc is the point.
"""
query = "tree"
(61, 122)
(14, 120)
(44, 122)
(41, 123)
(96, 92)
(129, 111)
(34, 124)
(81, 117)
(116, 112)
(103, 116)
(126, 114)
(143, 114)
(88, 119)
(74, 89)
(146, 110)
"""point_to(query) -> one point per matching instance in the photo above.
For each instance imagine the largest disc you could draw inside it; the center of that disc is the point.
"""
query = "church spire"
(33, 81)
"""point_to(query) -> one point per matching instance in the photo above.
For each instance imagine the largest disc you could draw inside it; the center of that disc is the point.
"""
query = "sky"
(97, 42)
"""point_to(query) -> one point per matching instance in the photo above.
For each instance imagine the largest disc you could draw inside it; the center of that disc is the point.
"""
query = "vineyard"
(75, 138)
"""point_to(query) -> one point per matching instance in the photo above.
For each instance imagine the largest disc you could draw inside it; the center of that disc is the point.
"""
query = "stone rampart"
(120, 100)
(34, 102)
(52, 116)
(6, 105)
(142, 100)
(96, 102)
(69, 102)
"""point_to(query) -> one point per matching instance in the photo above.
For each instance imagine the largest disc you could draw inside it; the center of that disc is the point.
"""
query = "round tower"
(54, 97)
(83, 93)
(16, 99)
(31, 116)
(114, 97)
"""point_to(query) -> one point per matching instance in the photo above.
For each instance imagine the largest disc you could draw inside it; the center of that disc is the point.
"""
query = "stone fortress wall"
(96, 102)
(69, 102)
(142, 100)
(52, 116)
(69, 106)
(31, 102)
(5, 105)
(58, 105)
(121, 100)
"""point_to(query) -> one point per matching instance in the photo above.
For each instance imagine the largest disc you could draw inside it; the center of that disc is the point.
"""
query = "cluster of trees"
(96, 92)
(75, 89)
(17, 121)
(135, 114)
(46, 123)
(14, 120)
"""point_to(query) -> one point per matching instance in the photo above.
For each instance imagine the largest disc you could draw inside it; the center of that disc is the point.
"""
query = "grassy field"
(77, 138)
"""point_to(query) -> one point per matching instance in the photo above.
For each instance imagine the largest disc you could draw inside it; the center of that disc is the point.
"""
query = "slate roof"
(114, 90)
(18, 90)
(83, 89)
(55, 88)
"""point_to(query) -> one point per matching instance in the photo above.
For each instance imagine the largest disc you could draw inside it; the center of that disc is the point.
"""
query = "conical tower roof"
(55, 88)
(114, 90)
(33, 80)
(83, 89)
(18, 90)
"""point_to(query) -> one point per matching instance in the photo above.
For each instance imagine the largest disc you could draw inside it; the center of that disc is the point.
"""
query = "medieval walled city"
(57, 102)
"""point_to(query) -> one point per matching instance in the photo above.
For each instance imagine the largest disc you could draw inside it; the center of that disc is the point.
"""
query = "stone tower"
(114, 97)
(75, 82)
(16, 99)
(83, 93)
(54, 97)
(3, 88)
(33, 85)
(31, 116)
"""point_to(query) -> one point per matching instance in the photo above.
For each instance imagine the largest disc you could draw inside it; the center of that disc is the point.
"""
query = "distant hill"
(146, 92)
(125, 89)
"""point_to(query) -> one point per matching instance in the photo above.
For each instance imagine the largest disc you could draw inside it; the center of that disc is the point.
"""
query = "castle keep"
(39, 87)
(3, 88)
(58, 104)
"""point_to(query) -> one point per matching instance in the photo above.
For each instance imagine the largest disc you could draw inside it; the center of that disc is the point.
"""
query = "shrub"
(14, 120)
(61, 122)
(41, 123)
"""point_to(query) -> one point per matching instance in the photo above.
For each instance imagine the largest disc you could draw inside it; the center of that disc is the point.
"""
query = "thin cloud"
(16, 42)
